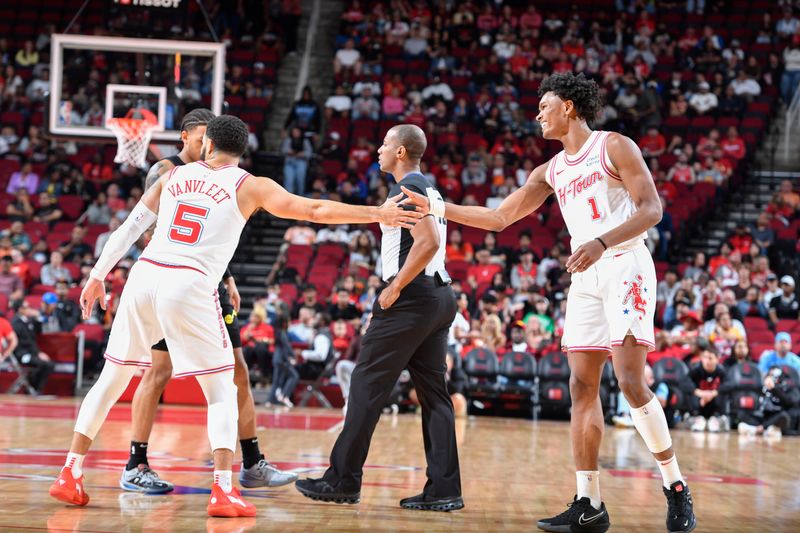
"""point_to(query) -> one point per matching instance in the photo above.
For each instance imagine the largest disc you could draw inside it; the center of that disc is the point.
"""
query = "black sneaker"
(680, 508)
(422, 503)
(580, 517)
(321, 490)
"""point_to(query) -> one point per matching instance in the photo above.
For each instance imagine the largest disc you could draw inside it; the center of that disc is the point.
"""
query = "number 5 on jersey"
(187, 224)
(593, 207)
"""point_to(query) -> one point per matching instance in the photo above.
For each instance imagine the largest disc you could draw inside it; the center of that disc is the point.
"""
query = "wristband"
(601, 242)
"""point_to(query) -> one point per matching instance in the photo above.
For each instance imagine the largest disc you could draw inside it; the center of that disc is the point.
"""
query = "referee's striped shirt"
(396, 242)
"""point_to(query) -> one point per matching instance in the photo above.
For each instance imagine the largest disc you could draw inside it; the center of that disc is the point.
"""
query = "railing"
(792, 118)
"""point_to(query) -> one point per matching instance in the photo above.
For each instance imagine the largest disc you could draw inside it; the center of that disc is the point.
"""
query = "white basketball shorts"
(613, 298)
(176, 303)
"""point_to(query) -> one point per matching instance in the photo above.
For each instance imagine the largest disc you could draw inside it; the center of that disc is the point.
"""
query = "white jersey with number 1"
(592, 197)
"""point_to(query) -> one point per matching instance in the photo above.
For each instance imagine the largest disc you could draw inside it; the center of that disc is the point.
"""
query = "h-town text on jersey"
(577, 186)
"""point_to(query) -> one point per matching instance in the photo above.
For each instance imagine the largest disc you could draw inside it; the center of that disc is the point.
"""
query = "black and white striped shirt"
(397, 242)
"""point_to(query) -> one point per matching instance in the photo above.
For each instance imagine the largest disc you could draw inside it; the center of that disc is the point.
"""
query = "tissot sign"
(150, 3)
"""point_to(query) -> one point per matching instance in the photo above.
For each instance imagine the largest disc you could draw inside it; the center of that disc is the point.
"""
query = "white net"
(133, 139)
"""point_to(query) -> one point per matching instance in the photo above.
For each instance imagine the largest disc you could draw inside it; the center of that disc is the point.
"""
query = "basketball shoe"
(264, 474)
(421, 502)
(580, 517)
(68, 489)
(228, 505)
(680, 508)
(321, 490)
(143, 479)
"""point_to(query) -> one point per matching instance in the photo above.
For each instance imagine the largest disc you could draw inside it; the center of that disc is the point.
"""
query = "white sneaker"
(699, 424)
(747, 429)
(714, 424)
(773, 432)
(724, 423)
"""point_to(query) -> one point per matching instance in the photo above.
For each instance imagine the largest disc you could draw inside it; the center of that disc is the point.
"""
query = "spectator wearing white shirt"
(439, 90)
(791, 73)
(366, 106)
(416, 46)
(347, 59)
(338, 103)
(504, 48)
(788, 25)
(39, 88)
(745, 86)
(335, 233)
(703, 101)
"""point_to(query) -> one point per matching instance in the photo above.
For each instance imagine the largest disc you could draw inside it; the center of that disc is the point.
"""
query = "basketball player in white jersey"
(200, 210)
(256, 471)
(608, 200)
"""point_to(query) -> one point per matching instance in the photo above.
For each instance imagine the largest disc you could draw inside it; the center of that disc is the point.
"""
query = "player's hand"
(422, 203)
(585, 256)
(388, 296)
(233, 292)
(93, 290)
(392, 214)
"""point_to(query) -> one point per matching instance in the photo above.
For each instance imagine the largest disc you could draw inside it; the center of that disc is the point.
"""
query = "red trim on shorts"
(241, 180)
(585, 155)
(167, 265)
(643, 342)
(586, 348)
(603, 160)
(204, 372)
(127, 363)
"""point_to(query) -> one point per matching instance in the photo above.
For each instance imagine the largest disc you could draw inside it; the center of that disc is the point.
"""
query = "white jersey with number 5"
(199, 220)
(592, 197)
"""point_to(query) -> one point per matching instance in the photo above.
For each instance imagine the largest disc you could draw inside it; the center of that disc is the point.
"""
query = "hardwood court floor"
(513, 472)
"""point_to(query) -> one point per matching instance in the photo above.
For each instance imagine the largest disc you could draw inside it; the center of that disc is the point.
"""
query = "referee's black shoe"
(580, 517)
(420, 502)
(321, 490)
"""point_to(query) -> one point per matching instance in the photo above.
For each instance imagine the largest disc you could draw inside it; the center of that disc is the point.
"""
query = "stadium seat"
(554, 397)
(481, 367)
(674, 373)
(517, 383)
(745, 379)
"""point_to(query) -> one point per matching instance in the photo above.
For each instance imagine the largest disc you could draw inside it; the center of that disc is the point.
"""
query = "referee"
(410, 322)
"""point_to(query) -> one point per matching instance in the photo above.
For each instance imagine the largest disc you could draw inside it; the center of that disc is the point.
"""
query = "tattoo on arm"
(155, 172)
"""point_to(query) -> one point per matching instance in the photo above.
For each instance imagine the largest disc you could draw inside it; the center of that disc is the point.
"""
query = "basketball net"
(133, 136)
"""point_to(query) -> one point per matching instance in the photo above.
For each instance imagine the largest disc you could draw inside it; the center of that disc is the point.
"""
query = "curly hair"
(229, 134)
(584, 93)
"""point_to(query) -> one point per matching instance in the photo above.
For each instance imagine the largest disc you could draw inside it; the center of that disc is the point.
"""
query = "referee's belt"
(441, 278)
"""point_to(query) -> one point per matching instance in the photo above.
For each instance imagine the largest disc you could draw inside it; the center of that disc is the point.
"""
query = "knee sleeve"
(102, 396)
(651, 423)
(223, 409)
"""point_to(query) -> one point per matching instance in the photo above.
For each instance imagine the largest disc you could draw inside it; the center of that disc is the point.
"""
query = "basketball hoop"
(133, 132)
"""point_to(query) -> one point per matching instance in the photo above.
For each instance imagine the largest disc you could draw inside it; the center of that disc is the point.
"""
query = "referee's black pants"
(411, 333)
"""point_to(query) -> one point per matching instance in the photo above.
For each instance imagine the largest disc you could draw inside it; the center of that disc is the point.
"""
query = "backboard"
(94, 78)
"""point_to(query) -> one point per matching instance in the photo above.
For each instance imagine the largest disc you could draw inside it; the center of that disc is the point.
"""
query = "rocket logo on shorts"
(634, 295)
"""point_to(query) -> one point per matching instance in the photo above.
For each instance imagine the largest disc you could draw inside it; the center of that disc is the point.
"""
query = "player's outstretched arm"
(265, 193)
(516, 205)
(141, 217)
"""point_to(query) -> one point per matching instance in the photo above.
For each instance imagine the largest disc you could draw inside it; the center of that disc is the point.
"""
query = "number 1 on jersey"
(187, 225)
(593, 206)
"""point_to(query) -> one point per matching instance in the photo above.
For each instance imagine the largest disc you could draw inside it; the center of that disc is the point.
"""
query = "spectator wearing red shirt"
(487, 21)
(741, 239)
(681, 171)
(652, 143)
(733, 145)
(114, 201)
(8, 339)
(257, 338)
(723, 164)
(456, 249)
(96, 171)
(707, 144)
(530, 20)
(483, 271)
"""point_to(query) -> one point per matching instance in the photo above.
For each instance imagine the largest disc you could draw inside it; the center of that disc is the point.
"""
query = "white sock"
(223, 479)
(589, 486)
(670, 472)
(75, 463)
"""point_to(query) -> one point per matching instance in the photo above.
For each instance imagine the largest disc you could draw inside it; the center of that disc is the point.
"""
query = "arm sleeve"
(122, 239)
